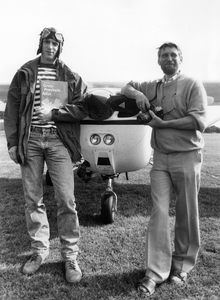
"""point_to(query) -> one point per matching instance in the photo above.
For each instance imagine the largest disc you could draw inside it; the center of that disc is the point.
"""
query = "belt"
(50, 130)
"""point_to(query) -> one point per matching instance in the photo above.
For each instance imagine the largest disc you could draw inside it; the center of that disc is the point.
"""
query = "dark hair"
(170, 45)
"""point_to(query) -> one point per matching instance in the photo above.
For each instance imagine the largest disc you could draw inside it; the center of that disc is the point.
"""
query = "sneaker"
(73, 273)
(177, 277)
(33, 264)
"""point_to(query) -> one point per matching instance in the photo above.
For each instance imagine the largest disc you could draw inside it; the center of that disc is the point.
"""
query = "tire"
(48, 179)
(107, 209)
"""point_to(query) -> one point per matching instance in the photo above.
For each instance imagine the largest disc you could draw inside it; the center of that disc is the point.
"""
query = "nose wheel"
(108, 204)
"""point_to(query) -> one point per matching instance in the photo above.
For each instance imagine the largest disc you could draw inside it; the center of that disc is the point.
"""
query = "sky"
(114, 40)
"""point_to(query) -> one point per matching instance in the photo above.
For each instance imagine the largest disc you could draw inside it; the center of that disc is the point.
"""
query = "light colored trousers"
(47, 147)
(179, 172)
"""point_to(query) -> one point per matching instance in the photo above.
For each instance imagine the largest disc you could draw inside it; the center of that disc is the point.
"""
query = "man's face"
(49, 51)
(169, 61)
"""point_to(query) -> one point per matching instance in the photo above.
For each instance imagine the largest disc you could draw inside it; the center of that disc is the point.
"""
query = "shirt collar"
(171, 78)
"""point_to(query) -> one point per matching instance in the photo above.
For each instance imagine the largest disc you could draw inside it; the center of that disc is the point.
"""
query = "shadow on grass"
(133, 200)
(49, 283)
(50, 280)
(209, 203)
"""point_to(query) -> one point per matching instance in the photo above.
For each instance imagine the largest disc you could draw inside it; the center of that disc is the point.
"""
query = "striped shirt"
(44, 73)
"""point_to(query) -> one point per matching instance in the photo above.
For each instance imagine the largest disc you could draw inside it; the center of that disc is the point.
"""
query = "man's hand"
(156, 121)
(142, 102)
(185, 123)
(13, 153)
(44, 113)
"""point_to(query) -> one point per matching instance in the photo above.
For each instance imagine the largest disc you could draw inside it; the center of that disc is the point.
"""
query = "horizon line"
(120, 81)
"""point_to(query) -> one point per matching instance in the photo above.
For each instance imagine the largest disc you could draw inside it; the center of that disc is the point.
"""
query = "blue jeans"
(46, 146)
(179, 172)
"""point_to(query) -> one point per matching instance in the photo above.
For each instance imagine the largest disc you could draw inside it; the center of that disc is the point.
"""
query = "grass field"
(111, 256)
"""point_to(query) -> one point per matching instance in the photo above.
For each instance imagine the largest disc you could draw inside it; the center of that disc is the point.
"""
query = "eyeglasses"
(173, 103)
(46, 32)
(163, 97)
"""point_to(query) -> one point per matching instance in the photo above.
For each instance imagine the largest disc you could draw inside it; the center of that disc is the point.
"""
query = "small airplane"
(110, 147)
(117, 145)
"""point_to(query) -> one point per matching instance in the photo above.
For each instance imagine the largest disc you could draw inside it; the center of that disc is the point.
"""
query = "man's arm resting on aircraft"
(141, 100)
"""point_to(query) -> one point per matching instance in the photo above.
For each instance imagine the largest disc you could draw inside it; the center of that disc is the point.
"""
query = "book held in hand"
(53, 94)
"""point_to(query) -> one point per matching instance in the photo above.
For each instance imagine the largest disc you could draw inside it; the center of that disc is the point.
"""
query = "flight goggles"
(46, 33)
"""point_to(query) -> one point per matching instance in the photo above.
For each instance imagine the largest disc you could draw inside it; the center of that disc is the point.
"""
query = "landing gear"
(108, 204)
(108, 198)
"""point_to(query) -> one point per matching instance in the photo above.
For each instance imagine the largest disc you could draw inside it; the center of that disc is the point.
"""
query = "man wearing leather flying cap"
(51, 33)
(35, 135)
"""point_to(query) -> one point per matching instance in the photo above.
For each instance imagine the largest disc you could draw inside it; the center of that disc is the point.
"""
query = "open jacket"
(20, 105)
